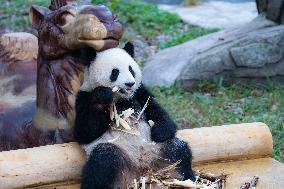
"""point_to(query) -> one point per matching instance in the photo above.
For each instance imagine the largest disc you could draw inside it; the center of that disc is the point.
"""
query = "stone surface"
(171, 2)
(216, 14)
(256, 54)
(143, 50)
(254, 51)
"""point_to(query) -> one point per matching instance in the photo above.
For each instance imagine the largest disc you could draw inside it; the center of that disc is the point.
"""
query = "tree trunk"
(274, 9)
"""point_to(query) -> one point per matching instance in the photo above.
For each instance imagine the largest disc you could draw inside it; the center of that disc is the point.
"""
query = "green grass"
(193, 33)
(14, 14)
(146, 19)
(212, 105)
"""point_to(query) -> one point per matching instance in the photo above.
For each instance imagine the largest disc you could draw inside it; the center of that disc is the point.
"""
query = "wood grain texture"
(229, 142)
(269, 171)
(40, 76)
(42, 165)
(273, 9)
(63, 162)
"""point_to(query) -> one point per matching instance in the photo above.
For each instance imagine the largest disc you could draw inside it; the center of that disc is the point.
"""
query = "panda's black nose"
(130, 84)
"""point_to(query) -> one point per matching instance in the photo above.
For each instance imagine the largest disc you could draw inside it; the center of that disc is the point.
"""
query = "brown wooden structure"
(39, 83)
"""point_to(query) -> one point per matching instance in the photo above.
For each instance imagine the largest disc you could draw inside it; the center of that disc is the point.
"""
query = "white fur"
(140, 148)
(100, 70)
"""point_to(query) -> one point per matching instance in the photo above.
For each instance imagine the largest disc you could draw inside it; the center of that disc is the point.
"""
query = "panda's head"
(113, 68)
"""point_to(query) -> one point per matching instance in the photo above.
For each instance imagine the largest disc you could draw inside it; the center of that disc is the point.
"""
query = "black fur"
(164, 127)
(87, 55)
(129, 48)
(131, 71)
(129, 84)
(114, 75)
(178, 150)
(105, 168)
(92, 115)
(102, 95)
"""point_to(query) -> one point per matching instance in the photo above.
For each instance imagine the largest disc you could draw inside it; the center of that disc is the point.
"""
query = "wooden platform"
(239, 151)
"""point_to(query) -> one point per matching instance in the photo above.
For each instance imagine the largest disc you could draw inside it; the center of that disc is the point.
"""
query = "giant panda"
(115, 158)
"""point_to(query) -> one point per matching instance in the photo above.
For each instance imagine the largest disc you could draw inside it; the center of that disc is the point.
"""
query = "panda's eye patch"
(131, 71)
(114, 75)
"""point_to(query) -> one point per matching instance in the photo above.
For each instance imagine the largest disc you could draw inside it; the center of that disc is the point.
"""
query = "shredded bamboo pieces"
(121, 120)
(251, 184)
(143, 109)
(125, 131)
(151, 123)
(163, 178)
(113, 140)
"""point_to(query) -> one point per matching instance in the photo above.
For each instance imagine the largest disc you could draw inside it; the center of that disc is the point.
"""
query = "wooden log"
(232, 142)
(269, 171)
(40, 165)
(63, 162)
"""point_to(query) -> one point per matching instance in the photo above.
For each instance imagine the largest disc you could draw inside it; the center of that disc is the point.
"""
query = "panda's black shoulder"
(142, 93)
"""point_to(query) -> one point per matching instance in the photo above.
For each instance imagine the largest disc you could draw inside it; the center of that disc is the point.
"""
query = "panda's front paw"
(102, 95)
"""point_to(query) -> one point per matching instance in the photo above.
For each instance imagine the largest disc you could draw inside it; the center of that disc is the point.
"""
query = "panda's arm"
(92, 116)
(164, 127)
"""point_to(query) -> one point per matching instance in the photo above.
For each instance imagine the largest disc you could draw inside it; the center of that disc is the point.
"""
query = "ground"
(216, 14)
(206, 105)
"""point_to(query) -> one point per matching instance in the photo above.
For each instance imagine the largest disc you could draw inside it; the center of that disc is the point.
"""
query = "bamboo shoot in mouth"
(115, 89)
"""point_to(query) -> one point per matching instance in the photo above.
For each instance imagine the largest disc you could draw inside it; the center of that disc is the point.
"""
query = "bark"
(274, 9)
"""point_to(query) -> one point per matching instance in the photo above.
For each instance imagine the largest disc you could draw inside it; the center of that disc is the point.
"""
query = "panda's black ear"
(87, 55)
(129, 48)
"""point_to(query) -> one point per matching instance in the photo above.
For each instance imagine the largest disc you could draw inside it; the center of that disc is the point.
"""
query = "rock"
(254, 51)
(257, 54)
(143, 50)
(172, 2)
(216, 14)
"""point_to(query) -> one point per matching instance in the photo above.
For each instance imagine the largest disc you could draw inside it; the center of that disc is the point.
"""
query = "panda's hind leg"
(175, 150)
(108, 167)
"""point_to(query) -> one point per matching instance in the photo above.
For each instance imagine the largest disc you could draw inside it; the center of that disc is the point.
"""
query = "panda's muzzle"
(128, 88)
